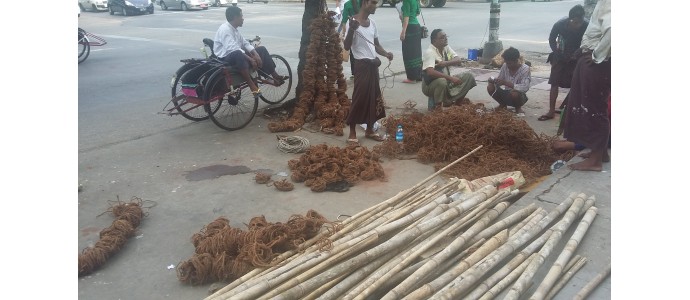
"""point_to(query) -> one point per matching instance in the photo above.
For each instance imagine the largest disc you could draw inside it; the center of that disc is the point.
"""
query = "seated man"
(230, 46)
(515, 77)
(445, 90)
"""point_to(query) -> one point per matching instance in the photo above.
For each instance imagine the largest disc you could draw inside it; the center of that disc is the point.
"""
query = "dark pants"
(238, 61)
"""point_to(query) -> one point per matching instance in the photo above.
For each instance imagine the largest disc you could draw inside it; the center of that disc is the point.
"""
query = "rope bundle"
(292, 144)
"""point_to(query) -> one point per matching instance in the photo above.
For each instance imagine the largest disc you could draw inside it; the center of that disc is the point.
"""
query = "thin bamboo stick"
(525, 221)
(506, 281)
(592, 284)
(566, 277)
(520, 285)
(430, 288)
(557, 268)
(404, 287)
(571, 263)
(471, 276)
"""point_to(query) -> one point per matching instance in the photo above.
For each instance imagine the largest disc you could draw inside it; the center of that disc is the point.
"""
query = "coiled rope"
(292, 144)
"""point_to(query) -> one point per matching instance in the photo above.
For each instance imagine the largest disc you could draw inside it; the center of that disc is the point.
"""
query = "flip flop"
(409, 81)
(545, 117)
(352, 142)
(374, 137)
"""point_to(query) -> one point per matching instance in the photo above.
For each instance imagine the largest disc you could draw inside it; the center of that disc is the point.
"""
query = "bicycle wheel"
(84, 48)
(271, 93)
(236, 106)
(189, 110)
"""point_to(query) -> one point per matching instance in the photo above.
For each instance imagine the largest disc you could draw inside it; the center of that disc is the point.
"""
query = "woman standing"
(411, 37)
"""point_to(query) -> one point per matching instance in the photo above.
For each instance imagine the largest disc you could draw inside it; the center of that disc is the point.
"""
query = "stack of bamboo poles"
(441, 241)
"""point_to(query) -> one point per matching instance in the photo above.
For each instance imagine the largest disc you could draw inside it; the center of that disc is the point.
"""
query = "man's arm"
(381, 51)
(552, 37)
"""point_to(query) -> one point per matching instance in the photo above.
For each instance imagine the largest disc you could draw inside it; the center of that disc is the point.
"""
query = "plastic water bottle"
(399, 134)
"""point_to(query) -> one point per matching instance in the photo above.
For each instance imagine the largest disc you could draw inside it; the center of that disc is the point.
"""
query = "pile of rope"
(127, 218)
(224, 253)
(292, 144)
(444, 135)
(322, 165)
(324, 89)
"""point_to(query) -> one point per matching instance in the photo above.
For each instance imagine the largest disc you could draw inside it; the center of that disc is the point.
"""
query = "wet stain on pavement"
(215, 171)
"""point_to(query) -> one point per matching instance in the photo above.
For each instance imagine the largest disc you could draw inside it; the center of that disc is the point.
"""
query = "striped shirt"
(521, 80)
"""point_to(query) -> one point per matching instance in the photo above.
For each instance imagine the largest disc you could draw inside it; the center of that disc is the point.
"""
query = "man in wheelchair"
(230, 46)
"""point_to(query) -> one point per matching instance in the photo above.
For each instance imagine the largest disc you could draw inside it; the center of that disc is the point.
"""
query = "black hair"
(434, 33)
(231, 12)
(511, 54)
(577, 12)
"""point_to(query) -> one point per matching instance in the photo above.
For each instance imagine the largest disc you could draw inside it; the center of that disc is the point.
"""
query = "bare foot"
(586, 165)
(605, 158)
(562, 146)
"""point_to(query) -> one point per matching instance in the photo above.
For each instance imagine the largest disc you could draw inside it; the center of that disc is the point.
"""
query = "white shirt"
(361, 48)
(433, 56)
(521, 80)
(229, 39)
(597, 36)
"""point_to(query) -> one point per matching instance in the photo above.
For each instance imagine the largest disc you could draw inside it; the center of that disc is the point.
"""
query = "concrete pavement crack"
(548, 189)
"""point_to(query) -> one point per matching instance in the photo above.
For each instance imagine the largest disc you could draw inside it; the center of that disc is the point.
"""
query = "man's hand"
(455, 80)
(354, 24)
(389, 55)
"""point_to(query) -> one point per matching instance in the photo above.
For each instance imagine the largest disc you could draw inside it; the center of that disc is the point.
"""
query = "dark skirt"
(587, 120)
(367, 101)
(412, 52)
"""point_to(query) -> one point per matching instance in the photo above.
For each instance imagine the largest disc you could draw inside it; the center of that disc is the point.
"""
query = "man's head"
(576, 17)
(439, 38)
(511, 57)
(369, 6)
(234, 16)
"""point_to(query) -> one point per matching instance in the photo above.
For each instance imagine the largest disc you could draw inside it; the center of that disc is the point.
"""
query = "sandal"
(375, 137)
(280, 80)
(352, 142)
(545, 117)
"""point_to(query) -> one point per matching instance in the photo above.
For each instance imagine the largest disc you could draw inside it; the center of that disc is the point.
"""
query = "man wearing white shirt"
(230, 46)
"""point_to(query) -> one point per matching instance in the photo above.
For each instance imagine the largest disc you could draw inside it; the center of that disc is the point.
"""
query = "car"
(184, 4)
(130, 7)
(93, 5)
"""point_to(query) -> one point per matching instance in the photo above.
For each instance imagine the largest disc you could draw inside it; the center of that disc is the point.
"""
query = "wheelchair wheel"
(84, 47)
(270, 93)
(235, 108)
(193, 109)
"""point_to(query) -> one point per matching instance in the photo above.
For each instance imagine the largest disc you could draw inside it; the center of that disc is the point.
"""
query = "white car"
(93, 5)
(184, 4)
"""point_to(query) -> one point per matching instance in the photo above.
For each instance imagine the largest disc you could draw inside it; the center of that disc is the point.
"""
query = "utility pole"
(493, 46)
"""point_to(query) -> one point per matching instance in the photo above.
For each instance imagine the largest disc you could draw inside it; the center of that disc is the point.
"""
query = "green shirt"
(348, 11)
(410, 8)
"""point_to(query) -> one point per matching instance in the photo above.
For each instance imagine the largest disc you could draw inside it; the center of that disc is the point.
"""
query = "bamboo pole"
(423, 272)
(506, 222)
(520, 285)
(471, 276)
(566, 277)
(525, 221)
(486, 248)
(592, 284)
(506, 281)
(557, 268)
